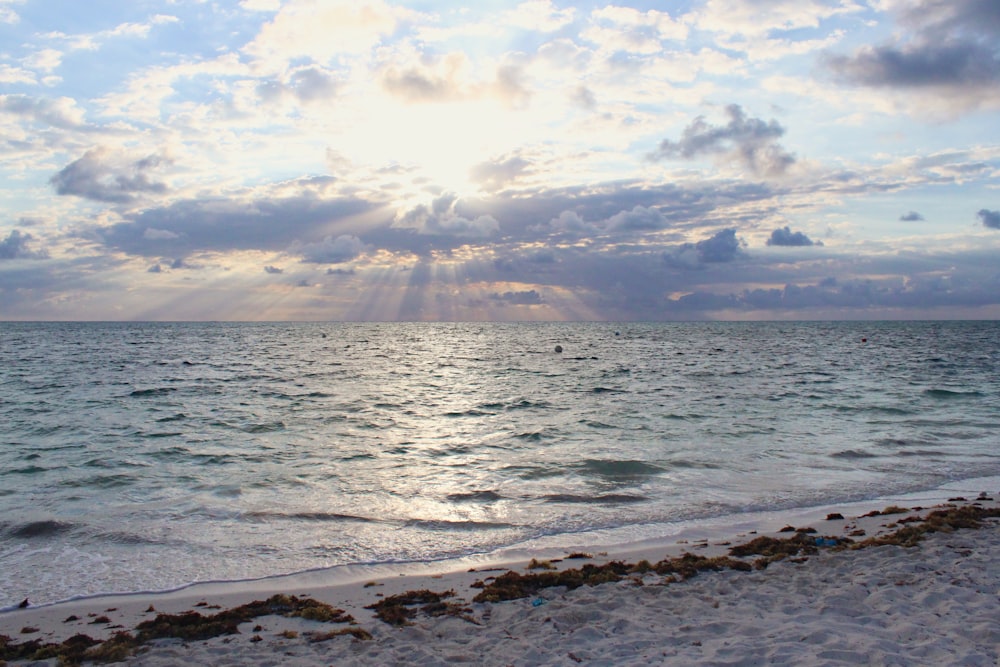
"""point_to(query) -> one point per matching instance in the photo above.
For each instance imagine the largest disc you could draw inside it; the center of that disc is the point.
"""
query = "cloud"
(273, 270)
(219, 225)
(722, 247)
(990, 219)
(756, 18)
(539, 15)
(639, 218)
(912, 216)
(322, 29)
(568, 222)
(953, 64)
(951, 45)
(786, 237)
(8, 15)
(750, 141)
(432, 79)
(15, 246)
(332, 250)
(102, 177)
(628, 30)
(442, 217)
(62, 113)
(497, 174)
(306, 84)
(520, 298)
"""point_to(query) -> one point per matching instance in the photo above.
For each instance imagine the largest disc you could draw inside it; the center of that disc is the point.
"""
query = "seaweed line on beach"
(400, 609)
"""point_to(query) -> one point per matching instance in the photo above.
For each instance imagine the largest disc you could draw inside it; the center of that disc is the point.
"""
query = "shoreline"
(619, 542)
(101, 617)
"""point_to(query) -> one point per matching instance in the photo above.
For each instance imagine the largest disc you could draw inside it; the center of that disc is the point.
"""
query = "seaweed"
(399, 609)
(514, 586)
(938, 521)
(773, 549)
(189, 625)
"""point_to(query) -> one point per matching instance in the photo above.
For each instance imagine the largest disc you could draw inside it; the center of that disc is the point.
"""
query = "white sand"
(934, 604)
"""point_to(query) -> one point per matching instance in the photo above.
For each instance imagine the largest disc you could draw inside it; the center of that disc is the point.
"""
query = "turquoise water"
(141, 457)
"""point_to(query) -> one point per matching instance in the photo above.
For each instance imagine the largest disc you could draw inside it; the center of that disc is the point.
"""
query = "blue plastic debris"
(826, 542)
(537, 602)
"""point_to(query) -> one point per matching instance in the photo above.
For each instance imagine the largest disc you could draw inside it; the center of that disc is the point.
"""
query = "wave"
(946, 394)
(602, 499)
(853, 454)
(39, 529)
(619, 468)
(475, 496)
(158, 391)
(443, 525)
(334, 517)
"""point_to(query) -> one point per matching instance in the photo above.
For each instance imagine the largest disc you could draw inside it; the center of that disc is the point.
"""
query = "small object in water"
(558, 349)
(24, 604)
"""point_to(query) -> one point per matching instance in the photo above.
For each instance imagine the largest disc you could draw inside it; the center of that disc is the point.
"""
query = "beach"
(929, 596)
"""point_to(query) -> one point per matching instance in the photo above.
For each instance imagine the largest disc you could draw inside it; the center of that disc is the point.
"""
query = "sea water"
(141, 456)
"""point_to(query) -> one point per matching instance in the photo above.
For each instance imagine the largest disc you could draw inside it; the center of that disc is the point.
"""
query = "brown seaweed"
(400, 609)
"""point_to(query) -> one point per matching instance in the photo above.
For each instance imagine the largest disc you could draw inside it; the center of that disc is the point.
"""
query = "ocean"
(147, 456)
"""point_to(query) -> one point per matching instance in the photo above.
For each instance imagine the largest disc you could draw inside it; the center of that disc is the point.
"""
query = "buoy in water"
(558, 348)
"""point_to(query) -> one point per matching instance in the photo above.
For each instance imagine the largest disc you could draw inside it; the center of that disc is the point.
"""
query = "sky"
(539, 160)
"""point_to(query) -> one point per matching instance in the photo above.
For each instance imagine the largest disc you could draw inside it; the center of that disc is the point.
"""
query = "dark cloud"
(15, 246)
(912, 216)
(953, 44)
(989, 219)
(522, 298)
(273, 270)
(332, 250)
(786, 237)
(222, 225)
(155, 268)
(919, 65)
(724, 246)
(98, 176)
(750, 141)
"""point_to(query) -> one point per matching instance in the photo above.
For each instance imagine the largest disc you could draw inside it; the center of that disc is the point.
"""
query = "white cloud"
(540, 15)
(660, 23)
(625, 29)
(755, 18)
(261, 5)
(323, 29)
(8, 15)
(45, 60)
(12, 75)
